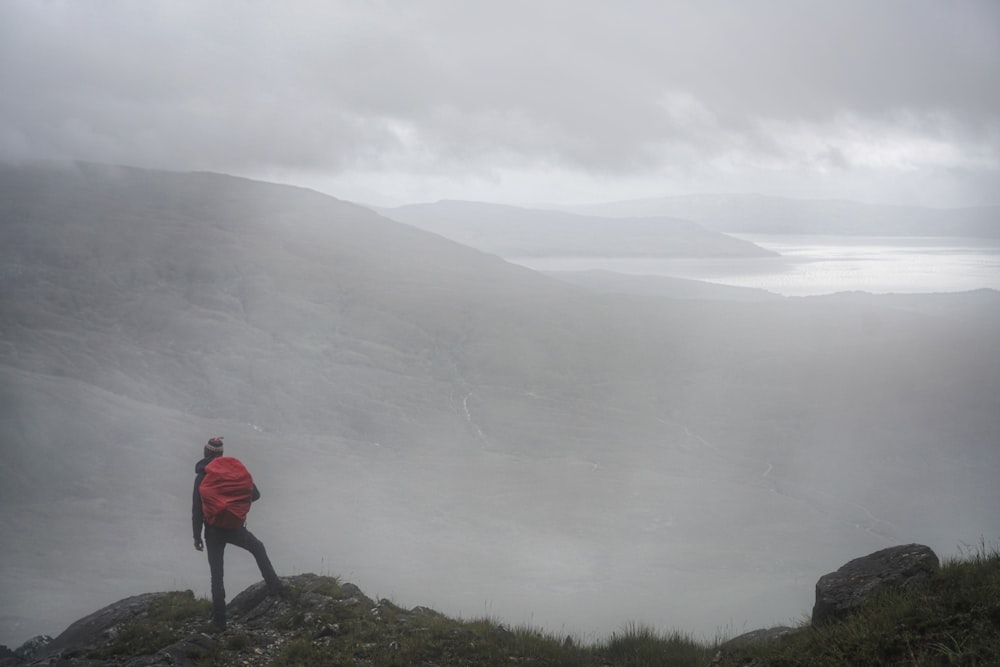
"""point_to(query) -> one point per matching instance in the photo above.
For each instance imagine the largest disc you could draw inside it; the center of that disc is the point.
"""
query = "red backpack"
(226, 492)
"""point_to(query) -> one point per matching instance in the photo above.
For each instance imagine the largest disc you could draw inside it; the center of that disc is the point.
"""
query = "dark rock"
(255, 608)
(329, 630)
(261, 621)
(501, 634)
(760, 636)
(350, 591)
(310, 600)
(258, 607)
(94, 629)
(33, 647)
(426, 611)
(7, 657)
(246, 602)
(184, 653)
(730, 652)
(383, 607)
(841, 592)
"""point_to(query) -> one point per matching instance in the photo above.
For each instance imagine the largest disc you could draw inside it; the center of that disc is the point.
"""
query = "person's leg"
(215, 545)
(248, 541)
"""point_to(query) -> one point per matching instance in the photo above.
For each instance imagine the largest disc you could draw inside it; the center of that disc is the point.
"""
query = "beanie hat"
(214, 445)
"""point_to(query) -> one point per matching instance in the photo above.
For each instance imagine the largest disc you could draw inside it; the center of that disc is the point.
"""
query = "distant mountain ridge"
(759, 214)
(511, 231)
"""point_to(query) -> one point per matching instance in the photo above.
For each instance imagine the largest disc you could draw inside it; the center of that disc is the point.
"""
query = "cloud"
(456, 91)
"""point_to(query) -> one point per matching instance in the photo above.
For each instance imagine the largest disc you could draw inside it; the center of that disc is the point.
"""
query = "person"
(217, 538)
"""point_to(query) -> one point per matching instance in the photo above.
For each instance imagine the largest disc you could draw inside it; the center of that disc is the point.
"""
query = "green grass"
(640, 646)
(178, 606)
(163, 626)
(443, 641)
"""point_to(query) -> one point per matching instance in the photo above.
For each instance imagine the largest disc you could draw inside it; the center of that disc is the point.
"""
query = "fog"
(446, 429)
(432, 422)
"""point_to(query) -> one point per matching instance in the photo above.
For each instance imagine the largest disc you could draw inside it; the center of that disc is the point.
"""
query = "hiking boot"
(278, 589)
(211, 628)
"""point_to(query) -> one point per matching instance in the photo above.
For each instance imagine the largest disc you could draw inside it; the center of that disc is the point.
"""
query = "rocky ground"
(896, 606)
(173, 629)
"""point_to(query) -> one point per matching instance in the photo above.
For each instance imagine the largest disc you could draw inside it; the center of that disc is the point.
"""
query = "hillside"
(612, 282)
(462, 432)
(322, 621)
(947, 618)
(511, 231)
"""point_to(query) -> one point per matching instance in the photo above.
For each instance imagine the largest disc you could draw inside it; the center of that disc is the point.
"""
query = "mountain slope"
(511, 231)
(426, 418)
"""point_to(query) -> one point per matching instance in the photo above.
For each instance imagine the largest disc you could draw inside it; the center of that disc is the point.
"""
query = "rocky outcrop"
(161, 629)
(760, 636)
(841, 592)
(101, 626)
(313, 614)
(25, 653)
(729, 652)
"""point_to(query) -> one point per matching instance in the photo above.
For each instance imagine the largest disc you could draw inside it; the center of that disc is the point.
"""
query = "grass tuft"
(162, 625)
(642, 646)
(178, 606)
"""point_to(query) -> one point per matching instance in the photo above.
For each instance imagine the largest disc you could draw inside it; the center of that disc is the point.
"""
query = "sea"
(815, 265)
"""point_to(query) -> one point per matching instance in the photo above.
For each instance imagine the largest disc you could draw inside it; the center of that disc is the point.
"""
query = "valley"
(444, 428)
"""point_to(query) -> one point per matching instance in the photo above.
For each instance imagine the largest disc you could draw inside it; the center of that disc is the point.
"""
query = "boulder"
(732, 651)
(98, 627)
(257, 607)
(761, 636)
(34, 646)
(841, 592)
(188, 652)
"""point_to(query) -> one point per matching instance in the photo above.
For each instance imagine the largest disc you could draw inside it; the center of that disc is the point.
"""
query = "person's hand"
(198, 545)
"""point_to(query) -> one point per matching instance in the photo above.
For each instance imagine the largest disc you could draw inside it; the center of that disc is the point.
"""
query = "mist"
(447, 429)
(297, 226)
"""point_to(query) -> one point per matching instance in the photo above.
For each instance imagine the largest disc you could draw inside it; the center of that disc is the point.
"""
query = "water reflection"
(812, 265)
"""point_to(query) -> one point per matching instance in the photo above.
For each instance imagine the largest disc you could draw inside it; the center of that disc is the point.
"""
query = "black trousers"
(216, 540)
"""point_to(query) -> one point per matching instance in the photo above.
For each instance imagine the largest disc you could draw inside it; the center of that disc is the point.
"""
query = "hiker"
(223, 510)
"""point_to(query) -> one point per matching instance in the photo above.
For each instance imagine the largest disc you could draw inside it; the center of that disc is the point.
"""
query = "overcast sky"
(568, 101)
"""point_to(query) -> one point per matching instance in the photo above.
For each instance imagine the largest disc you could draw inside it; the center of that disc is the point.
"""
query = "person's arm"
(197, 517)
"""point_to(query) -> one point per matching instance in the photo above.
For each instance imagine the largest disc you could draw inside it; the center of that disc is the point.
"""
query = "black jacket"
(197, 517)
